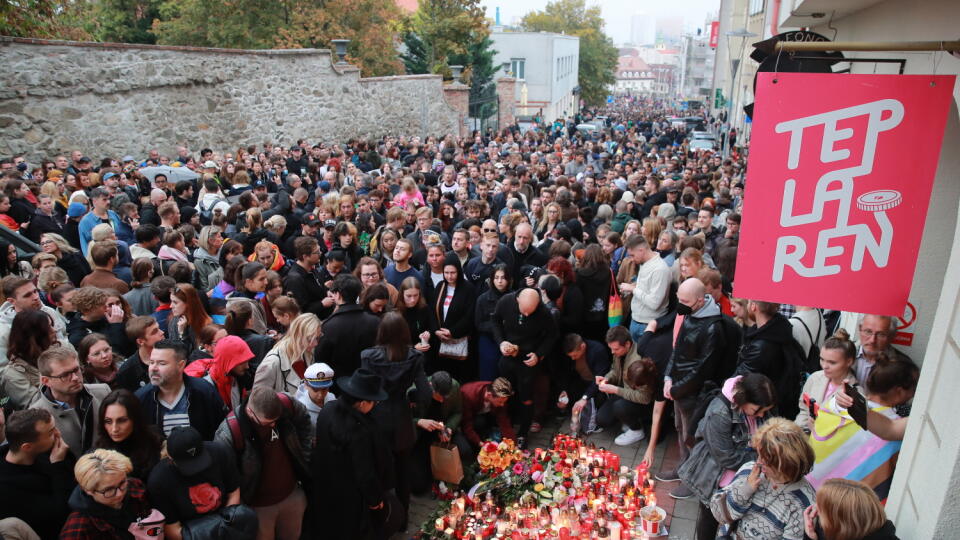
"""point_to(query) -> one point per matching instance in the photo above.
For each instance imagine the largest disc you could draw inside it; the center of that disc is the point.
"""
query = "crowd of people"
(265, 343)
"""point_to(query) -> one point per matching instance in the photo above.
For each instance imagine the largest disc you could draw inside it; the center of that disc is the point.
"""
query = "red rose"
(567, 484)
(205, 497)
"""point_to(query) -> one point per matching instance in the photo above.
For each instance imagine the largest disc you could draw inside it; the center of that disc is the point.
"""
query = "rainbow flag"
(844, 450)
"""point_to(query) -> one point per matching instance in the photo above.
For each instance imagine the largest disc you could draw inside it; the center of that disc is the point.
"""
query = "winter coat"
(79, 439)
(7, 314)
(42, 223)
(91, 520)
(276, 372)
(36, 493)
(394, 416)
(483, 314)
(351, 471)
(79, 328)
(459, 317)
(204, 406)
(19, 381)
(698, 351)
(536, 333)
(595, 286)
(306, 287)
(75, 266)
(722, 444)
(451, 410)
(206, 264)
(764, 351)
(141, 300)
(293, 427)
(346, 333)
(472, 395)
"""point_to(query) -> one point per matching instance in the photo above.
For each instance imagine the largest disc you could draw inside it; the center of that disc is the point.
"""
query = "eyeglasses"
(489, 230)
(264, 423)
(46, 242)
(75, 372)
(872, 334)
(369, 275)
(112, 491)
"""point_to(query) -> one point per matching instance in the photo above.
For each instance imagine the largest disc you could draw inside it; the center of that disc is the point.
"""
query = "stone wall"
(116, 99)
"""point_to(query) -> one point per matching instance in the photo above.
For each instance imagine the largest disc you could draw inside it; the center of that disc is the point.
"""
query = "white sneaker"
(629, 437)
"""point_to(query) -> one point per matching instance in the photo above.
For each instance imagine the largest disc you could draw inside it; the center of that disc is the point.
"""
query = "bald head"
(691, 293)
(157, 196)
(527, 301)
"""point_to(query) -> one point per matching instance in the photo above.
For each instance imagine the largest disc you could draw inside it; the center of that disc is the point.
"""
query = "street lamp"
(742, 34)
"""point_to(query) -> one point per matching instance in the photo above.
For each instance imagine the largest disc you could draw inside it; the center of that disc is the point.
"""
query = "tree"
(51, 19)
(440, 29)
(371, 26)
(479, 71)
(123, 21)
(598, 56)
(237, 24)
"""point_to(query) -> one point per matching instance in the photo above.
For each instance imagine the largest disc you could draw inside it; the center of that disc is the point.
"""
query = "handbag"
(445, 463)
(237, 522)
(148, 528)
(615, 304)
(456, 349)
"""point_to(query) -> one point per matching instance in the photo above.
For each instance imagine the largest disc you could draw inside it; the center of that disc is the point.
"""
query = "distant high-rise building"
(642, 29)
(669, 29)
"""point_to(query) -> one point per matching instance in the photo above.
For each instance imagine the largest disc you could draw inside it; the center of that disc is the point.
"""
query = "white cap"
(627, 197)
(209, 165)
(319, 375)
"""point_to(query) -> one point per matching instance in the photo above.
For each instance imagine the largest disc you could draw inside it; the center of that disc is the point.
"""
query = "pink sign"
(714, 34)
(840, 173)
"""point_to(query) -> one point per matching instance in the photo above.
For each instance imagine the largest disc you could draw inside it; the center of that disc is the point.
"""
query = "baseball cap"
(329, 224)
(324, 185)
(128, 158)
(311, 220)
(84, 159)
(76, 210)
(627, 197)
(108, 176)
(186, 449)
(319, 375)
(259, 183)
(295, 147)
(208, 164)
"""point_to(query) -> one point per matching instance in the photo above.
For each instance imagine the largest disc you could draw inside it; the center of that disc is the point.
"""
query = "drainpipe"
(775, 19)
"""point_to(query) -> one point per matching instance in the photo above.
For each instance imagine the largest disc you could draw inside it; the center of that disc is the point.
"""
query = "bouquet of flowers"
(494, 458)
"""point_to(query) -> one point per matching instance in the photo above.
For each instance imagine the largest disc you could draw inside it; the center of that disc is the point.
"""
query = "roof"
(632, 67)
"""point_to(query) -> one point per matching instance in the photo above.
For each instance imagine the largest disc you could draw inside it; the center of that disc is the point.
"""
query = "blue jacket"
(204, 406)
(90, 221)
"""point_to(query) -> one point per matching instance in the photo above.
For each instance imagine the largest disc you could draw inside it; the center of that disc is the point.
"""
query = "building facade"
(923, 494)
(545, 66)
(634, 76)
(696, 70)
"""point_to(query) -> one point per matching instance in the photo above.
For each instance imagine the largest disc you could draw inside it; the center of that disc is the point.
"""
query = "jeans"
(636, 330)
(488, 353)
(629, 414)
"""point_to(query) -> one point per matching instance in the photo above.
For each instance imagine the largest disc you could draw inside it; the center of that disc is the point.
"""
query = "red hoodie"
(230, 352)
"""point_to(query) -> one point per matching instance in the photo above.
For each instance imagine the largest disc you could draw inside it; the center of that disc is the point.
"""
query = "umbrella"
(173, 174)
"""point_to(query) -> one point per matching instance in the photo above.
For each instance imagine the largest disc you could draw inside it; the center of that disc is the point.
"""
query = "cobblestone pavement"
(681, 515)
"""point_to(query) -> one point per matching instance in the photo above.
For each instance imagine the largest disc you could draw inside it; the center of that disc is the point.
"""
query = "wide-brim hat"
(363, 384)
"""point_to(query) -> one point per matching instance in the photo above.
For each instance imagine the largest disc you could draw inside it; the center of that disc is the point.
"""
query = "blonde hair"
(52, 275)
(654, 228)
(60, 241)
(294, 342)
(501, 387)
(92, 467)
(848, 509)
(783, 447)
(276, 224)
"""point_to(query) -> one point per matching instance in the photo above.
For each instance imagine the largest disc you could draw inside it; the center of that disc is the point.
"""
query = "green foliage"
(598, 56)
(239, 24)
(46, 19)
(440, 29)
(123, 21)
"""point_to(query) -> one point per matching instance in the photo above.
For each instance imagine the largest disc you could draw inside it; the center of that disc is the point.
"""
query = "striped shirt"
(175, 414)
(766, 513)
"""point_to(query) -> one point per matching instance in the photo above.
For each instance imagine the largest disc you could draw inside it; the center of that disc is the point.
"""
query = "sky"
(616, 13)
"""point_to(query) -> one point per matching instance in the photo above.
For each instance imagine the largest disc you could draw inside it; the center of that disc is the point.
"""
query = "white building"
(696, 71)
(923, 494)
(545, 66)
(634, 76)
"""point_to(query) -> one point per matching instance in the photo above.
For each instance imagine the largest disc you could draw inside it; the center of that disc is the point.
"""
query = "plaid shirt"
(80, 526)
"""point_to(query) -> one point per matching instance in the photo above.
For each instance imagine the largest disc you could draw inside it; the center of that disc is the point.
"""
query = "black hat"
(84, 159)
(259, 183)
(186, 449)
(363, 384)
(311, 220)
(295, 147)
(329, 224)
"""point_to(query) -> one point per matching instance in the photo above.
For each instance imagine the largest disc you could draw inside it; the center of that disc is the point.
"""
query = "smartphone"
(812, 406)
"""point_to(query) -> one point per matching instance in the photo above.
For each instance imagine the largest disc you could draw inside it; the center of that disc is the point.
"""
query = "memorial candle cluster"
(571, 490)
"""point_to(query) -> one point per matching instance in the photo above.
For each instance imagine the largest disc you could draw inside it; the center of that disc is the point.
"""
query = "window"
(517, 67)
(756, 6)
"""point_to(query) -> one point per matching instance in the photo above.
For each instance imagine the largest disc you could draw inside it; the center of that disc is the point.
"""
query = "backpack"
(812, 362)
(791, 381)
(234, 424)
(733, 340)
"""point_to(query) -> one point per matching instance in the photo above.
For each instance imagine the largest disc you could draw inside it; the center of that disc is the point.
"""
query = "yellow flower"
(538, 488)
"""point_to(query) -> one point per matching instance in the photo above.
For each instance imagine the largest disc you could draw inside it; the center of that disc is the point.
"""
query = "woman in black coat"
(593, 277)
(352, 468)
(400, 366)
(453, 303)
(488, 350)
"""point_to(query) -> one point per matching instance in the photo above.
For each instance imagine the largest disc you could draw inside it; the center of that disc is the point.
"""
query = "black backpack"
(812, 360)
(791, 380)
(732, 341)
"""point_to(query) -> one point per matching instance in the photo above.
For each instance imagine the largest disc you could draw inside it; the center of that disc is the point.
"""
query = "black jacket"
(696, 354)
(522, 262)
(21, 210)
(75, 266)
(132, 374)
(37, 493)
(536, 333)
(483, 315)
(78, 328)
(345, 333)
(394, 416)
(306, 288)
(459, 317)
(42, 223)
(351, 456)
(204, 406)
(763, 352)
(595, 286)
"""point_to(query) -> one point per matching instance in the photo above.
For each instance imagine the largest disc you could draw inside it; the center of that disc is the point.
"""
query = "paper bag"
(445, 463)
